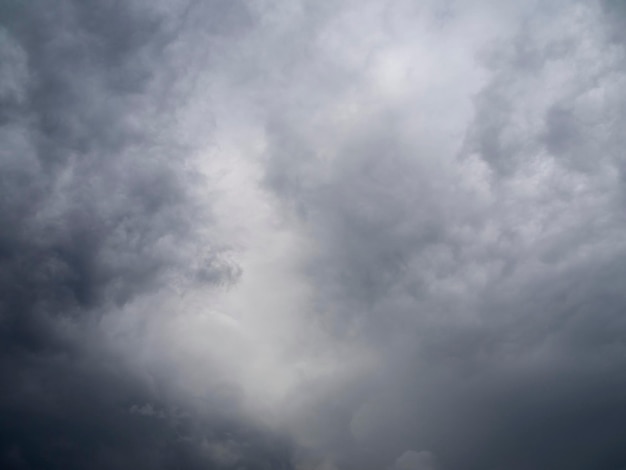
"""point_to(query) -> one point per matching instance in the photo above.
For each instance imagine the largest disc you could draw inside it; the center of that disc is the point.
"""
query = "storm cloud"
(312, 235)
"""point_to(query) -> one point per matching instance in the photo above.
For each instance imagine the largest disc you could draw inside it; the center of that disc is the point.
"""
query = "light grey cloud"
(477, 273)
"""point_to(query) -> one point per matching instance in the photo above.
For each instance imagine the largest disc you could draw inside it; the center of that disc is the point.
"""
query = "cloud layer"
(320, 236)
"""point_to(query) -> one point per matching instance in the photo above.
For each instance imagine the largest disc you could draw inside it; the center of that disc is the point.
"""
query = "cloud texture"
(380, 234)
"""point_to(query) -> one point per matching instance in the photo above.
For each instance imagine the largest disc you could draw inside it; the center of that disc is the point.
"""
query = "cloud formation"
(339, 235)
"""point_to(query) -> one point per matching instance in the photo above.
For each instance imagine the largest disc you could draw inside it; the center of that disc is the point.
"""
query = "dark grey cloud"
(97, 209)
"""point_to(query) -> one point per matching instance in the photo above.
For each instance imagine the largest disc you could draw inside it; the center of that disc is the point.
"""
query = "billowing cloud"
(339, 235)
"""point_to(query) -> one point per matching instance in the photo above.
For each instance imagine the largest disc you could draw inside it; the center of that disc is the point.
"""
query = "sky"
(312, 235)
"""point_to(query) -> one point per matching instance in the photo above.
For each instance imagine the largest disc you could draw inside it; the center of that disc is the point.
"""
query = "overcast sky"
(313, 234)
